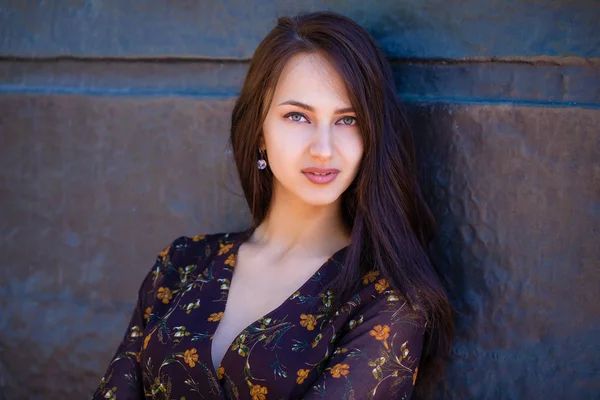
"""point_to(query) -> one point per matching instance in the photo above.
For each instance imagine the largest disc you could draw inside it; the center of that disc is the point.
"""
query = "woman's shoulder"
(376, 298)
(192, 250)
(186, 258)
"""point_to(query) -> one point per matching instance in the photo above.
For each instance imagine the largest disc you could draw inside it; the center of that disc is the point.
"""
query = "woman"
(331, 293)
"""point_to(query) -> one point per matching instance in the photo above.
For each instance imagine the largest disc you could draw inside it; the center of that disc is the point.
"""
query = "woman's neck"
(295, 227)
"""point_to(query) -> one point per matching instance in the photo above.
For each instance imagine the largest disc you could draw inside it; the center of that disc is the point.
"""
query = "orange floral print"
(380, 332)
(230, 260)
(258, 392)
(146, 340)
(191, 357)
(302, 375)
(164, 293)
(286, 342)
(163, 254)
(381, 286)
(224, 248)
(308, 321)
(339, 370)
(214, 317)
(370, 276)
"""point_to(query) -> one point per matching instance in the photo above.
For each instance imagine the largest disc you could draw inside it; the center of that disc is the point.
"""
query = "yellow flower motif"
(230, 260)
(138, 356)
(146, 340)
(382, 285)
(164, 293)
(220, 373)
(214, 317)
(198, 238)
(302, 375)
(147, 312)
(370, 276)
(380, 332)
(190, 357)
(224, 248)
(163, 254)
(340, 370)
(308, 321)
(415, 375)
(258, 392)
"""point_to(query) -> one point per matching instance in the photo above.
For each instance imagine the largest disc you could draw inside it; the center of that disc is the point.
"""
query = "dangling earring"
(262, 163)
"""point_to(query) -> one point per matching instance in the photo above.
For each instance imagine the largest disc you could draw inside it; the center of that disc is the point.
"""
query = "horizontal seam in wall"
(12, 89)
(533, 60)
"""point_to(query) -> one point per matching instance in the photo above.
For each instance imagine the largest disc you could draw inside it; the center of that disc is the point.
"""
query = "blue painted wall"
(233, 28)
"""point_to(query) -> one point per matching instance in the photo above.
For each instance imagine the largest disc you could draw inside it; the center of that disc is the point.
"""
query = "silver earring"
(262, 163)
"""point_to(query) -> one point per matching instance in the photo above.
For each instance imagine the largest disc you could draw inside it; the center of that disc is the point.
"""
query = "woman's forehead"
(310, 78)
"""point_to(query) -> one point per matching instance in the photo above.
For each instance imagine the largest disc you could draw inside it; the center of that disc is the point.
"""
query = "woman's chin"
(319, 198)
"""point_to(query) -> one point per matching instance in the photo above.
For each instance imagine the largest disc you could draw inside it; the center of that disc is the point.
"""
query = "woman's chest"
(253, 296)
(266, 349)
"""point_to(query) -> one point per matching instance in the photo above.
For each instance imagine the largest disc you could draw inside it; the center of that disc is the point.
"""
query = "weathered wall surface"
(233, 28)
(118, 146)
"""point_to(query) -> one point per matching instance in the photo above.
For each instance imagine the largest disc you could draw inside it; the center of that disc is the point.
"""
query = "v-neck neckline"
(238, 239)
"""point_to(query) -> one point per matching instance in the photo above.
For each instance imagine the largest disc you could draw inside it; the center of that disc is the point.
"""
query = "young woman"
(330, 293)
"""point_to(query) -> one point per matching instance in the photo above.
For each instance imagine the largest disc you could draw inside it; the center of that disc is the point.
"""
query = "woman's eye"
(348, 121)
(295, 117)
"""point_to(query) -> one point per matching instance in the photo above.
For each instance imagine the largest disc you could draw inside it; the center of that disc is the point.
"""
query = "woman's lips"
(320, 176)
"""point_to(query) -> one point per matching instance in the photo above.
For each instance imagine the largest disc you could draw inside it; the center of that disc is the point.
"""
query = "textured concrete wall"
(516, 191)
(110, 153)
(233, 28)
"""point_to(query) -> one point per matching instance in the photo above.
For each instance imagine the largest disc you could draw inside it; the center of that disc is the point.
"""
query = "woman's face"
(314, 132)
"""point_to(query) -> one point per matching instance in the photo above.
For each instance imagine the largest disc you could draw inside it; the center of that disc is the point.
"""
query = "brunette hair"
(390, 223)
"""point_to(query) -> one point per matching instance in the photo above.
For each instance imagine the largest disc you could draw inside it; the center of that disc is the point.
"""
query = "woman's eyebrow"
(312, 109)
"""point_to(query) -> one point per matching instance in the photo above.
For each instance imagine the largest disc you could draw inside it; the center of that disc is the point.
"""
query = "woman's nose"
(322, 143)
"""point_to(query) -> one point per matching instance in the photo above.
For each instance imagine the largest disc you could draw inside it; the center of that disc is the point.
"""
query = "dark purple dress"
(369, 348)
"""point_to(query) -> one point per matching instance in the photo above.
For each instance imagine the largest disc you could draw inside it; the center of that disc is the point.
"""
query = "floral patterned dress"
(367, 349)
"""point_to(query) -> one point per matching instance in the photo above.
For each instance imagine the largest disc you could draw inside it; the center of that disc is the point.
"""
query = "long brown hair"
(390, 223)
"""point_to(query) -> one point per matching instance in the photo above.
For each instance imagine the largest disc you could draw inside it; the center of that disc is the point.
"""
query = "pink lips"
(320, 176)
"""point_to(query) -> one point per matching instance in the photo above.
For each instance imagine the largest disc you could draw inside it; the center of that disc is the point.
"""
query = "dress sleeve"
(123, 379)
(377, 356)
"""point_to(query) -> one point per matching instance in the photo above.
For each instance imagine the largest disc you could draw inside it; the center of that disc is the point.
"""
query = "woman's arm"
(377, 358)
(123, 378)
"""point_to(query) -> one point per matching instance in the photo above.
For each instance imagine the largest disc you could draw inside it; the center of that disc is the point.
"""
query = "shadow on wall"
(462, 235)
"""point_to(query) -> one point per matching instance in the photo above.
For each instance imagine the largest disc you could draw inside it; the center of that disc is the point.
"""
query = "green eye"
(294, 117)
(348, 120)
